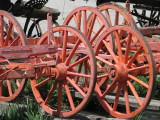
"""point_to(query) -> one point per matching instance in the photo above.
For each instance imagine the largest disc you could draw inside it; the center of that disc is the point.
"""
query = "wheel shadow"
(82, 117)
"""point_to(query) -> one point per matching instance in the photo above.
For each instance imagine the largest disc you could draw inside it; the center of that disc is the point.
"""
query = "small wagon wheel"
(11, 34)
(90, 21)
(131, 62)
(59, 98)
(117, 14)
(35, 27)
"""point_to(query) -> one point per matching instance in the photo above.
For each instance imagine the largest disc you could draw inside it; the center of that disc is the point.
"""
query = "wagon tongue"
(18, 52)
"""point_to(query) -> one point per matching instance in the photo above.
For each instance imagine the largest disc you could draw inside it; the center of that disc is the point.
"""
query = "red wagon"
(95, 55)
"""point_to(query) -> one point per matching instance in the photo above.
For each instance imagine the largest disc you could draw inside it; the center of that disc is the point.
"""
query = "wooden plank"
(154, 104)
(149, 31)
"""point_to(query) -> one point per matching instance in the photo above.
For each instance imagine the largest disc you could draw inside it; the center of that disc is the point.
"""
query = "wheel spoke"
(75, 19)
(118, 46)
(109, 88)
(79, 20)
(77, 62)
(59, 98)
(138, 68)
(86, 72)
(111, 51)
(96, 34)
(79, 71)
(17, 83)
(15, 41)
(103, 81)
(43, 82)
(101, 23)
(134, 56)
(9, 87)
(2, 30)
(84, 23)
(99, 66)
(1, 88)
(138, 81)
(90, 30)
(78, 74)
(72, 52)
(104, 56)
(122, 42)
(116, 18)
(104, 61)
(134, 92)
(102, 76)
(50, 93)
(117, 97)
(108, 17)
(121, 34)
(126, 99)
(64, 46)
(127, 48)
(9, 33)
(72, 82)
(69, 96)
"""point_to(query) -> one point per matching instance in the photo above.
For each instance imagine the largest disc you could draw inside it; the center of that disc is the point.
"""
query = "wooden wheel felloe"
(11, 34)
(56, 93)
(116, 14)
(88, 20)
(123, 71)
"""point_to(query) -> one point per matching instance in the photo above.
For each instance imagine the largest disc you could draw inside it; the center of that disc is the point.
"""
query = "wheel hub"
(118, 72)
(61, 72)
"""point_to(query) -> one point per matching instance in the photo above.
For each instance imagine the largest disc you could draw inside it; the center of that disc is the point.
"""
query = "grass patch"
(29, 111)
(142, 90)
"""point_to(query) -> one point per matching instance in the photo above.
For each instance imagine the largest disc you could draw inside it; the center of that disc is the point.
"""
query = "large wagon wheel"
(59, 97)
(131, 62)
(90, 21)
(11, 34)
(117, 14)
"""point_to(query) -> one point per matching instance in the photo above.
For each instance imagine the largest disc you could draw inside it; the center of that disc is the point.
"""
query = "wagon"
(50, 62)
(95, 55)
(147, 12)
(122, 58)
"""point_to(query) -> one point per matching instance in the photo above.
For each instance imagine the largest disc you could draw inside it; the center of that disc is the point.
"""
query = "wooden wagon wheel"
(59, 98)
(11, 34)
(131, 62)
(116, 14)
(90, 21)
